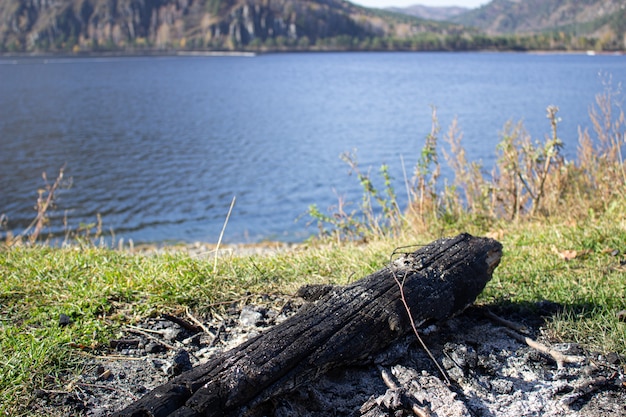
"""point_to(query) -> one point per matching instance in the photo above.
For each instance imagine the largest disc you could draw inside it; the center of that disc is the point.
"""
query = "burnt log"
(346, 326)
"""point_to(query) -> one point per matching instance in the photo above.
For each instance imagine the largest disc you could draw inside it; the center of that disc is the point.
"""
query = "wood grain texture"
(348, 325)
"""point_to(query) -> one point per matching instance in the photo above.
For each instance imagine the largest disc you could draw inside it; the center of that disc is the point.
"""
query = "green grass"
(540, 206)
(103, 289)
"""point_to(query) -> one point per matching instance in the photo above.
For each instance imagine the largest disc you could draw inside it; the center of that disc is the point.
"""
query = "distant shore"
(249, 54)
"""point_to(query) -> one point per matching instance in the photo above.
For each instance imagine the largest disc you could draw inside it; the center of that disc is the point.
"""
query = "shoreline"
(205, 250)
(250, 54)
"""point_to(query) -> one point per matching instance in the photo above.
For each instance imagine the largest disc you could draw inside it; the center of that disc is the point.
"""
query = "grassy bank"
(562, 224)
(574, 265)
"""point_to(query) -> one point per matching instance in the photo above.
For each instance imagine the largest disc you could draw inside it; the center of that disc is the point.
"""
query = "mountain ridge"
(79, 25)
(599, 19)
(142, 26)
(438, 13)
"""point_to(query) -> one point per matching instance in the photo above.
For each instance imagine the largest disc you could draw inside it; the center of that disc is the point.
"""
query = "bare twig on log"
(408, 312)
(347, 326)
(558, 357)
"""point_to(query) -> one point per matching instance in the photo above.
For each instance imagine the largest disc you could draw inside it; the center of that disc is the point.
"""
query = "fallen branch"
(558, 357)
(347, 326)
(586, 388)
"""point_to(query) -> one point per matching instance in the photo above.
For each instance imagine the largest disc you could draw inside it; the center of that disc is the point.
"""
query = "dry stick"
(219, 241)
(41, 209)
(198, 322)
(217, 335)
(560, 358)
(159, 332)
(511, 325)
(149, 336)
(586, 388)
(182, 323)
(408, 310)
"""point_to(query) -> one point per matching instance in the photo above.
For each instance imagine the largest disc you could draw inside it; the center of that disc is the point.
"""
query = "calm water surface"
(159, 146)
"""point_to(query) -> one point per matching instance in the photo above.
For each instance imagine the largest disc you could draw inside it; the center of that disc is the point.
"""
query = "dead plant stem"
(413, 326)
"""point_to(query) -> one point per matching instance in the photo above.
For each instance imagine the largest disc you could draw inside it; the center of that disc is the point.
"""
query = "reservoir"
(159, 146)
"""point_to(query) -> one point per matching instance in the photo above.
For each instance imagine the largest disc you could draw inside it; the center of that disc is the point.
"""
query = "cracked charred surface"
(347, 326)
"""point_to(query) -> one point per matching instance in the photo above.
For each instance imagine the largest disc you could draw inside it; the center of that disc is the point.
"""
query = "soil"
(490, 372)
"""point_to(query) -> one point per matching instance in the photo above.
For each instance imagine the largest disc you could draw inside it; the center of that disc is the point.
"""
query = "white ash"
(491, 374)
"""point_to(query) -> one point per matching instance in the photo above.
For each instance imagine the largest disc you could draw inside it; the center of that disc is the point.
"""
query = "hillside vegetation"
(137, 26)
(601, 21)
(97, 25)
(430, 12)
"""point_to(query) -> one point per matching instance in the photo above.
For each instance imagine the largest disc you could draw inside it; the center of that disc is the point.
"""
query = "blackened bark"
(346, 326)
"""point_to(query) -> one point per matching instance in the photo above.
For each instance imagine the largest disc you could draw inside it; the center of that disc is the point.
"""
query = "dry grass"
(530, 180)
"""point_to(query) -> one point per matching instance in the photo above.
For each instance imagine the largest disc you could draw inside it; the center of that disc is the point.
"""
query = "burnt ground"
(491, 372)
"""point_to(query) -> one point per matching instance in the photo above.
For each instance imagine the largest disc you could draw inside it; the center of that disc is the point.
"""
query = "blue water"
(160, 145)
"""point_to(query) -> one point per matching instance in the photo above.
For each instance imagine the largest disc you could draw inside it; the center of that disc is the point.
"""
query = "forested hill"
(601, 21)
(101, 25)
(430, 12)
(137, 26)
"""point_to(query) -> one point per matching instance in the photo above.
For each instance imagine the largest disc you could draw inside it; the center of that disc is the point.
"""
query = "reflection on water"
(159, 146)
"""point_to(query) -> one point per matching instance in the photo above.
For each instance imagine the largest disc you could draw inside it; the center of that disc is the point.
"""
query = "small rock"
(153, 347)
(613, 358)
(180, 363)
(64, 320)
(171, 333)
(251, 316)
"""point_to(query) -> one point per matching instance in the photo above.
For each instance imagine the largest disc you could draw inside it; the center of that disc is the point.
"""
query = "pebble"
(171, 333)
(180, 363)
(64, 320)
(251, 316)
(153, 347)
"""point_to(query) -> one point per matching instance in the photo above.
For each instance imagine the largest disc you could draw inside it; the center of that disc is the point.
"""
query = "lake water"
(160, 145)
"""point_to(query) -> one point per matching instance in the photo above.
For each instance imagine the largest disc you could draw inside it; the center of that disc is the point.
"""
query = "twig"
(511, 325)
(182, 323)
(198, 322)
(149, 336)
(560, 358)
(159, 332)
(586, 388)
(219, 241)
(408, 310)
(217, 335)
